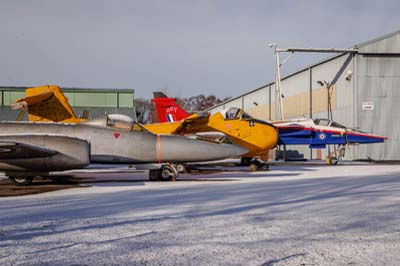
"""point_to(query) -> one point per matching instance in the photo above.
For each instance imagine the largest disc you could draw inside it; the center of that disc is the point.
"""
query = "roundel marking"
(322, 136)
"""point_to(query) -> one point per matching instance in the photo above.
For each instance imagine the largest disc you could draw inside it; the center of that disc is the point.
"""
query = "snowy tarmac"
(290, 215)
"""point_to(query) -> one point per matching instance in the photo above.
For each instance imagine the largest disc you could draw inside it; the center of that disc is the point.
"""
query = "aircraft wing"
(23, 103)
(46, 103)
(192, 124)
(20, 150)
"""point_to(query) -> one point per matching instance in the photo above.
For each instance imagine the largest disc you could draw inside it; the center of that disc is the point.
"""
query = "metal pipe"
(316, 50)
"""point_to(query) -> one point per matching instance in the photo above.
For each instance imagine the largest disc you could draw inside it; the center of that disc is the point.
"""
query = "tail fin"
(46, 104)
(167, 109)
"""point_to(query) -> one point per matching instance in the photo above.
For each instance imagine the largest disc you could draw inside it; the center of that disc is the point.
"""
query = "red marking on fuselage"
(116, 135)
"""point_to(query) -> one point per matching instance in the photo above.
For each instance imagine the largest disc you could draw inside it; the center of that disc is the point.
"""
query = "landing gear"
(256, 165)
(245, 161)
(22, 180)
(331, 160)
(264, 167)
(337, 154)
(181, 168)
(167, 172)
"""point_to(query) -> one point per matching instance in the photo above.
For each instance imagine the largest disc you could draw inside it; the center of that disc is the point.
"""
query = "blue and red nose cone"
(362, 138)
(177, 149)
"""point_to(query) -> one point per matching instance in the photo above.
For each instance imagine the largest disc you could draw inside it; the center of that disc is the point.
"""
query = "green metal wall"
(97, 101)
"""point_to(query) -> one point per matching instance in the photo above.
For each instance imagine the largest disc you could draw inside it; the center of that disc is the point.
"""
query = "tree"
(143, 109)
(199, 102)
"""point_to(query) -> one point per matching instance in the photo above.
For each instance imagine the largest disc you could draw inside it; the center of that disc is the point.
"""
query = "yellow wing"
(46, 104)
(22, 104)
(192, 124)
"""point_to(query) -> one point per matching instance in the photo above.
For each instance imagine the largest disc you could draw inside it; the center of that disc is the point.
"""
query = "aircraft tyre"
(181, 168)
(332, 160)
(245, 161)
(254, 166)
(165, 173)
(168, 173)
(263, 167)
(22, 180)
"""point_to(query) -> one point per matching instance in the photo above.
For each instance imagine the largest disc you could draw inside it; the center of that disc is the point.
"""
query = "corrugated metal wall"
(378, 83)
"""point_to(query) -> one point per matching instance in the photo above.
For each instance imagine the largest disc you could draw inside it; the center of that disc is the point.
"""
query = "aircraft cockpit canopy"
(123, 122)
(119, 121)
(246, 115)
(116, 121)
(236, 113)
(327, 123)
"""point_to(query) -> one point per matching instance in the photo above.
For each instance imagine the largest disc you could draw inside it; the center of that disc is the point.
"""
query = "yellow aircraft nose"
(266, 135)
(272, 139)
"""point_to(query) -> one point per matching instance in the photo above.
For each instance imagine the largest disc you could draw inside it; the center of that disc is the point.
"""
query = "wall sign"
(367, 106)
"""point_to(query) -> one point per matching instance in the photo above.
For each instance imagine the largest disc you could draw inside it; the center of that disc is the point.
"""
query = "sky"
(183, 48)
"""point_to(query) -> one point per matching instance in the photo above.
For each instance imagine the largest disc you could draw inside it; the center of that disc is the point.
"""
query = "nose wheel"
(337, 154)
(245, 161)
(256, 165)
(167, 172)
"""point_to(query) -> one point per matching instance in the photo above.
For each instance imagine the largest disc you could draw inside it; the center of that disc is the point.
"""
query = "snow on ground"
(291, 215)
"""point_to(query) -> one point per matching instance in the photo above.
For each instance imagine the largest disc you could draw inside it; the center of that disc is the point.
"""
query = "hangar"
(365, 95)
(97, 101)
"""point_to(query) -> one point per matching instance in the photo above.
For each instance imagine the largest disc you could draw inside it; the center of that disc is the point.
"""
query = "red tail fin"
(167, 109)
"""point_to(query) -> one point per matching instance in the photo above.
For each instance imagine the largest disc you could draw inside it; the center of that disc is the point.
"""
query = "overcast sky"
(182, 47)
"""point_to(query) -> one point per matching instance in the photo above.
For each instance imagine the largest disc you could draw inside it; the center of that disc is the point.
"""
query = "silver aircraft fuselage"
(119, 145)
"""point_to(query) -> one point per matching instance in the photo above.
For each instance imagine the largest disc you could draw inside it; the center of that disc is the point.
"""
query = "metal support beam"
(278, 88)
(316, 50)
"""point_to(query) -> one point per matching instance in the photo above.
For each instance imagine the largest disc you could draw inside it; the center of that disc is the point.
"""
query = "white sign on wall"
(367, 106)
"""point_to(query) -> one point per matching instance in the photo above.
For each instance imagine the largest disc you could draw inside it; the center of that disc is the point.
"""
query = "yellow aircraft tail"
(46, 104)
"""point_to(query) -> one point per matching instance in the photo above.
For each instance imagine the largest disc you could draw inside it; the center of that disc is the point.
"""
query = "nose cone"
(273, 137)
(183, 149)
(363, 138)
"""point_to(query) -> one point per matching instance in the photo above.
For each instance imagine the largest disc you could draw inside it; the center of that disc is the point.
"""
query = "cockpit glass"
(336, 124)
(246, 116)
(232, 113)
(327, 122)
(119, 121)
(322, 122)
